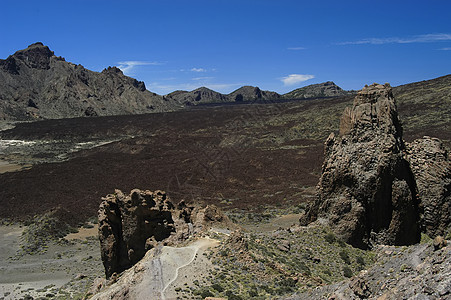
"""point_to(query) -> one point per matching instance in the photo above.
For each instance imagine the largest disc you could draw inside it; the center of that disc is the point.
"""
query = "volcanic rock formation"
(431, 166)
(130, 225)
(367, 190)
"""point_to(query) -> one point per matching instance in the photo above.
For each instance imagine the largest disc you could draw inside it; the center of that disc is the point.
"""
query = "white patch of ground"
(161, 271)
(9, 167)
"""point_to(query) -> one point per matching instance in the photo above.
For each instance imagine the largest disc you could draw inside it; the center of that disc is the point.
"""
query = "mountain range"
(36, 84)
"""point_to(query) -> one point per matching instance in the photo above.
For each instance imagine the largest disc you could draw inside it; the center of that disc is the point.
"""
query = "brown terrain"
(247, 156)
(251, 159)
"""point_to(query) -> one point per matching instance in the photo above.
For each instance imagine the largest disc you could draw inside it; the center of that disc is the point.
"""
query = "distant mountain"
(204, 95)
(201, 95)
(325, 89)
(36, 84)
(251, 93)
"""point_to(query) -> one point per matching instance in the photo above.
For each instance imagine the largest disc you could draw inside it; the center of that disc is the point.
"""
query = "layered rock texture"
(367, 190)
(130, 225)
(431, 166)
(36, 84)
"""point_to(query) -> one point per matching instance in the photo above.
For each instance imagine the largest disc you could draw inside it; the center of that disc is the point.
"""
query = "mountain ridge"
(36, 84)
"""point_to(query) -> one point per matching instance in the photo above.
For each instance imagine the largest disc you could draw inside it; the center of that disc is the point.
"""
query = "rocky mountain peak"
(319, 90)
(112, 70)
(35, 56)
(374, 109)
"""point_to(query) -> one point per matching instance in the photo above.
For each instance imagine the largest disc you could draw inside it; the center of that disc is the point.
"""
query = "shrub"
(345, 257)
(359, 260)
(217, 287)
(347, 272)
(330, 238)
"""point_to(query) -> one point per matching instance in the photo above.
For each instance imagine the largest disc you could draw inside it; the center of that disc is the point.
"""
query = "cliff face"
(130, 225)
(36, 84)
(375, 188)
(367, 190)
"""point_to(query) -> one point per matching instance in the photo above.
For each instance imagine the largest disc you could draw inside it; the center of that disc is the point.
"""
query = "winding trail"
(176, 275)
(196, 246)
(157, 273)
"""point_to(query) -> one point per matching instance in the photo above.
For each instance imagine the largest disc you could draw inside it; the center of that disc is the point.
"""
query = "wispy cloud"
(202, 78)
(198, 70)
(445, 49)
(128, 66)
(296, 48)
(293, 79)
(424, 38)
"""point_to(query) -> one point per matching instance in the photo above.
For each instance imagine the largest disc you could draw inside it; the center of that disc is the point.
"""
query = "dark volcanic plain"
(248, 157)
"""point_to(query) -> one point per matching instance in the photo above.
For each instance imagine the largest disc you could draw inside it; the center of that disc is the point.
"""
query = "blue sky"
(277, 45)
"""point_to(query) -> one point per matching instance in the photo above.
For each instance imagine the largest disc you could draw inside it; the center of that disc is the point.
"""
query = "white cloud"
(296, 48)
(445, 49)
(128, 66)
(296, 78)
(199, 70)
(423, 38)
(202, 78)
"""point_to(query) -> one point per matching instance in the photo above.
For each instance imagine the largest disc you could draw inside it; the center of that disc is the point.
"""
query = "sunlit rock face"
(367, 191)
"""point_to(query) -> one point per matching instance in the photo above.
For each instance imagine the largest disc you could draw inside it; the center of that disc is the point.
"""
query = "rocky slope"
(422, 271)
(36, 84)
(325, 89)
(425, 108)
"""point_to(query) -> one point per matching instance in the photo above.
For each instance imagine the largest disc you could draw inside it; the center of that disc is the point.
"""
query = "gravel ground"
(64, 270)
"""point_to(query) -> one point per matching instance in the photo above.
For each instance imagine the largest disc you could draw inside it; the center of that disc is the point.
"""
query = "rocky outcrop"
(431, 166)
(367, 191)
(36, 84)
(252, 93)
(130, 225)
(201, 95)
(320, 90)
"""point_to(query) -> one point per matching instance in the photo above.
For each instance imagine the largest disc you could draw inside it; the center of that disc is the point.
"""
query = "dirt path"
(162, 270)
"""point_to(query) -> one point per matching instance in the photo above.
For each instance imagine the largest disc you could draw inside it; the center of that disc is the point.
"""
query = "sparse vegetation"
(265, 269)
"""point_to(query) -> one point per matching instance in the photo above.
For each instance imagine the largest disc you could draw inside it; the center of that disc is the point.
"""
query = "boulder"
(367, 191)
